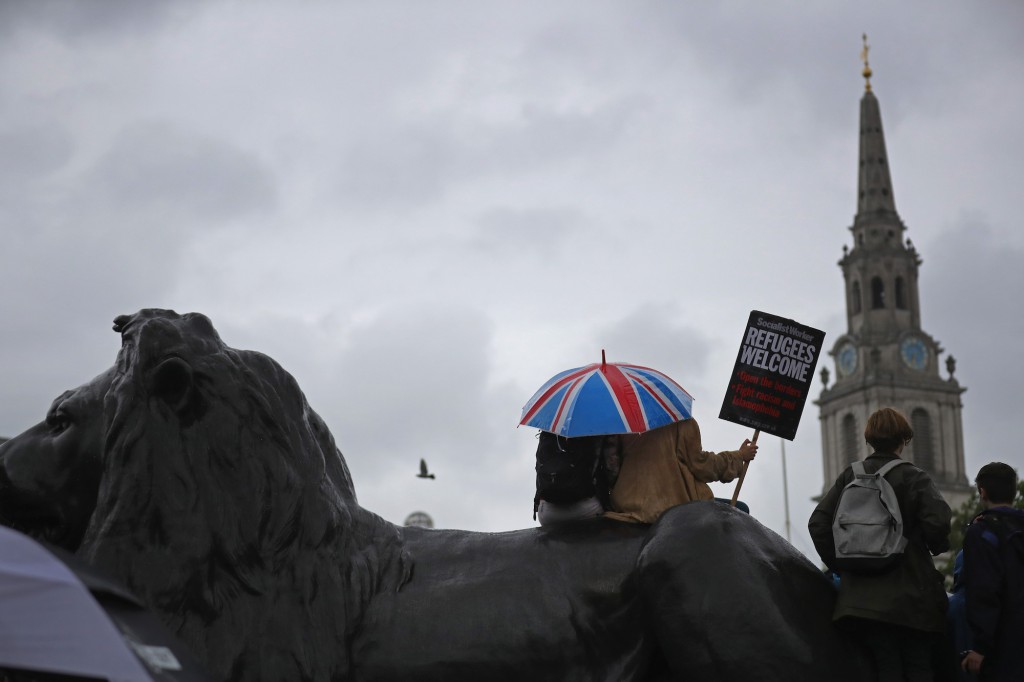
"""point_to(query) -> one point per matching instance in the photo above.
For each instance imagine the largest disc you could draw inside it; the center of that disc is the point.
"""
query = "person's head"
(888, 430)
(997, 483)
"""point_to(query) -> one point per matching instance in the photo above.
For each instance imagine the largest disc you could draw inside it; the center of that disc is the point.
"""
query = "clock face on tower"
(846, 359)
(914, 353)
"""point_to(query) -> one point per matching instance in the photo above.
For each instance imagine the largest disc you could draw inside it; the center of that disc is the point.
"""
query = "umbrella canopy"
(604, 398)
(49, 622)
(167, 659)
(59, 615)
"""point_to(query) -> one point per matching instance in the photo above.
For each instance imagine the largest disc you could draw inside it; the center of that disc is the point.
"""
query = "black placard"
(773, 374)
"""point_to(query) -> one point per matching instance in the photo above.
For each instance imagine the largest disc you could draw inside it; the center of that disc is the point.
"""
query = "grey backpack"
(868, 526)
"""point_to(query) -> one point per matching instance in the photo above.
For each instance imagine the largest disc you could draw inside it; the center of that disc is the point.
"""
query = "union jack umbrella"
(606, 397)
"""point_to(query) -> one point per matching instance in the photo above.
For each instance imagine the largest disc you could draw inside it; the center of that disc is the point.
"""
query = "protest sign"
(773, 374)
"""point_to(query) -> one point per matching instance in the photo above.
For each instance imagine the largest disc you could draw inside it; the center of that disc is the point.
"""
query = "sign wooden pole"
(739, 483)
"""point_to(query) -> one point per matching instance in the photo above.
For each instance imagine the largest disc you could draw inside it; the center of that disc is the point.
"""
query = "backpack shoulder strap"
(858, 469)
(1003, 527)
(889, 466)
(1015, 538)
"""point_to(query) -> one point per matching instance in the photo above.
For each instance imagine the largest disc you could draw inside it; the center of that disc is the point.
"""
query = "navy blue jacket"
(993, 578)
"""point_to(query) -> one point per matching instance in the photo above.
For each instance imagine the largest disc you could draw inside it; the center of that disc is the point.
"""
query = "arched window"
(851, 439)
(923, 445)
(855, 295)
(901, 294)
(877, 293)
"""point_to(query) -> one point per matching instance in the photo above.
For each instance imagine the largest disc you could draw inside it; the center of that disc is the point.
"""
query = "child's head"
(887, 430)
(999, 482)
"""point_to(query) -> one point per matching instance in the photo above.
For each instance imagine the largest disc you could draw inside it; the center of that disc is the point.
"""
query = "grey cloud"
(413, 377)
(541, 232)
(81, 250)
(93, 19)
(653, 335)
(753, 51)
(549, 135)
(404, 169)
(29, 152)
(70, 266)
(114, 232)
(159, 168)
(971, 283)
(417, 164)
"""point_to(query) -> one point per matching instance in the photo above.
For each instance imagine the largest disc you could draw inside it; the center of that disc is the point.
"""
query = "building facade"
(886, 358)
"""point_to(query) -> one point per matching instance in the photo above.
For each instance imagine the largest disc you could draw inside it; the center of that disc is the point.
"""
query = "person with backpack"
(993, 579)
(878, 528)
(574, 476)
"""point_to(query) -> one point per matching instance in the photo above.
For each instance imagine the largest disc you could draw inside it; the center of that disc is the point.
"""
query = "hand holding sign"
(743, 473)
(748, 450)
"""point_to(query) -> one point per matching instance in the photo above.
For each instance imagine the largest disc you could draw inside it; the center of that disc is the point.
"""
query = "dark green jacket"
(911, 593)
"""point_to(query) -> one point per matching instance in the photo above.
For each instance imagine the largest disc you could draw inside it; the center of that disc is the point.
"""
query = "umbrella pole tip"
(602, 358)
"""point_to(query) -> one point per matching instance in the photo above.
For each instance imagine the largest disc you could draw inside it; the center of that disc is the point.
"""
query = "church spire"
(881, 268)
(885, 358)
(874, 183)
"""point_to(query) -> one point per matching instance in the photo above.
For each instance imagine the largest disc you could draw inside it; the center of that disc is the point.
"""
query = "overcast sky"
(425, 210)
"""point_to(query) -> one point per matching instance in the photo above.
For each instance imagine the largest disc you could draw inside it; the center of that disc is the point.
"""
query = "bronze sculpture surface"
(199, 476)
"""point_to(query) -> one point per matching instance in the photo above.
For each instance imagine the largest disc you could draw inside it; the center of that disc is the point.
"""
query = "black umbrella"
(165, 656)
(50, 636)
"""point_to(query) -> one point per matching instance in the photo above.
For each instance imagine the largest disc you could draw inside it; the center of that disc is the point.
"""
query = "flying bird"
(423, 470)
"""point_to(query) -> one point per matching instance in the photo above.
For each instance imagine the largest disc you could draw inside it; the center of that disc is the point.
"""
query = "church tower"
(885, 358)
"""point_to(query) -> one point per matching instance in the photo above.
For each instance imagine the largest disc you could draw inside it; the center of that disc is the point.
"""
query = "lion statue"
(199, 476)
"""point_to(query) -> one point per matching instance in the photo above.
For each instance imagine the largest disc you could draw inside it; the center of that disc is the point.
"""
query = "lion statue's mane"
(205, 482)
(225, 503)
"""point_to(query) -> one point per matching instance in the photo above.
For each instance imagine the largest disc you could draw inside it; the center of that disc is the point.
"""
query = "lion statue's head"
(200, 476)
(50, 474)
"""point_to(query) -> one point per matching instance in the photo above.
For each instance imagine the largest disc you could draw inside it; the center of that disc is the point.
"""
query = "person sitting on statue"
(668, 466)
(574, 476)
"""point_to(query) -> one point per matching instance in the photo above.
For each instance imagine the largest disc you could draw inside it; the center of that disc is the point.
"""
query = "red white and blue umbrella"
(607, 397)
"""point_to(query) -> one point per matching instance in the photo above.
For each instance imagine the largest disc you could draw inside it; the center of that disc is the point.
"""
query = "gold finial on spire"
(864, 58)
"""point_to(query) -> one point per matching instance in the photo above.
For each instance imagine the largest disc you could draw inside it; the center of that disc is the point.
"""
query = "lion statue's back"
(707, 593)
(557, 604)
